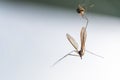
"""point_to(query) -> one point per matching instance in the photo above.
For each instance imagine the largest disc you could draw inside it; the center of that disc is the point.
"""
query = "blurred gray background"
(33, 37)
(108, 7)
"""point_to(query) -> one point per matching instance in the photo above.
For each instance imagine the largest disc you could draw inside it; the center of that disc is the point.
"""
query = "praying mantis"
(83, 35)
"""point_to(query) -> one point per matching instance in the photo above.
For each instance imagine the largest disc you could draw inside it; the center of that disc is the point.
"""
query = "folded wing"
(83, 35)
(72, 41)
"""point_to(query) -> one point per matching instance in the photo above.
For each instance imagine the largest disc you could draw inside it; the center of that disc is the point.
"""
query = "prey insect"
(82, 11)
(80, 53)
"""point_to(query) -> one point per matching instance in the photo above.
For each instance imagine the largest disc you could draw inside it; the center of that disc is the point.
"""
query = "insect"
(81, 9)
(83, 35)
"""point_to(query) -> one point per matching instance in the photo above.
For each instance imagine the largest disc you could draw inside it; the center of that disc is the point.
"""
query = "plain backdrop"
(33, 37)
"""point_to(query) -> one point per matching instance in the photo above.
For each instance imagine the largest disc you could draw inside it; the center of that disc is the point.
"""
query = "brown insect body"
(81, 53)
(81, 10)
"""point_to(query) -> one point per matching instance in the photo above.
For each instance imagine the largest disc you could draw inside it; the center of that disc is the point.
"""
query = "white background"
(33, 37)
